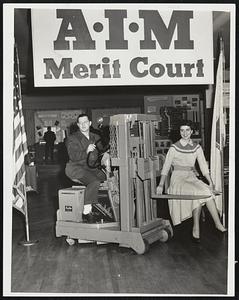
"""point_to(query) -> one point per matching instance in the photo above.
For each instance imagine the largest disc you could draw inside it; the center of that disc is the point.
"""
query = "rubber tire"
(144, 249)
(166, 235)
(169, 233)
(147, 245)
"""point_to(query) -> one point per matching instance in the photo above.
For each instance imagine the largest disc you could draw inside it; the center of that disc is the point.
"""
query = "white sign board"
(121, 45)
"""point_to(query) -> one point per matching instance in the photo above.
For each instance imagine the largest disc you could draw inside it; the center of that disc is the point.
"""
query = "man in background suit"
(49, 138)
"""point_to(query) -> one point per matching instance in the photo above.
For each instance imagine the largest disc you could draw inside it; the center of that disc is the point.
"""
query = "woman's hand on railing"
(159, 190)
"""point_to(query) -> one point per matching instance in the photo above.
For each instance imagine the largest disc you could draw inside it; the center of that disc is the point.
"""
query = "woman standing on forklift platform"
(182, 157)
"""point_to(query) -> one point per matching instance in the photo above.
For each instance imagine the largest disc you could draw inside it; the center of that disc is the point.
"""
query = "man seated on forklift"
(80, 146)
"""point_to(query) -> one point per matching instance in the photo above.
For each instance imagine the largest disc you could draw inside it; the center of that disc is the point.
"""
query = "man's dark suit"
(49, 138)
(77, 168)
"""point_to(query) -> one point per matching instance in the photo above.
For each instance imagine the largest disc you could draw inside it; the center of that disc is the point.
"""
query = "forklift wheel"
(70, 241)
(165, 235)
(143, 249)
(146, 243)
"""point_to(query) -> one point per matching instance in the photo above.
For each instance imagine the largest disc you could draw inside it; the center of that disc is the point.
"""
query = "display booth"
(160, 47)
(61, 123)
(172, 109)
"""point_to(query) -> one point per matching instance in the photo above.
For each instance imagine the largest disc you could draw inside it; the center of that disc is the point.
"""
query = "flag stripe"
(19, 151)
(20, 142)
(18, 126)
(19, 174)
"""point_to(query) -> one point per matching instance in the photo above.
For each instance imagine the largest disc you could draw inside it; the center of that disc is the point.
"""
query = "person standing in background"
(49, 138)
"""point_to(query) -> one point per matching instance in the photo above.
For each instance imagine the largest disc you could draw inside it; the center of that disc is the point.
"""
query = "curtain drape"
(29, 125)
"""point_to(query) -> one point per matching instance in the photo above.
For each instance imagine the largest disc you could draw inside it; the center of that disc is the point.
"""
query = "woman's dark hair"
(188, 123)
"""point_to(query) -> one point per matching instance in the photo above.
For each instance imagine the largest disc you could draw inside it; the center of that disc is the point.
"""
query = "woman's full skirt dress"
(185, 183)
(182, 158)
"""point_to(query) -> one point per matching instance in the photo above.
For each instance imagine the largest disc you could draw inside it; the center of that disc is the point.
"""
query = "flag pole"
(222, 139)
(223, 190)
(26, 242)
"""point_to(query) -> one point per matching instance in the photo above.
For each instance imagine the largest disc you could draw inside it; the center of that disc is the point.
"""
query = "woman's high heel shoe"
(221, 229)
(195, 240)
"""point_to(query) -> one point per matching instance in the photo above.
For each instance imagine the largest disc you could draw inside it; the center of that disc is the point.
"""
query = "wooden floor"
(52, 266)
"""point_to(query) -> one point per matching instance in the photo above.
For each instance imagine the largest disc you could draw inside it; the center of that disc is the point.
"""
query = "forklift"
(131, 188)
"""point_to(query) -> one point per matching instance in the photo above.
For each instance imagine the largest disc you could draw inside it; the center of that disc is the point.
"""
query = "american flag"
(19, 143)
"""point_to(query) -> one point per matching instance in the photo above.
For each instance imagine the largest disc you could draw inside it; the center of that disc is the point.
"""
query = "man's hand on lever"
(90, 148)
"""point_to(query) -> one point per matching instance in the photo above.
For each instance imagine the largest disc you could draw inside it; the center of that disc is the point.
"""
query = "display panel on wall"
(59, 120)
(188, 105)
(172, 109)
